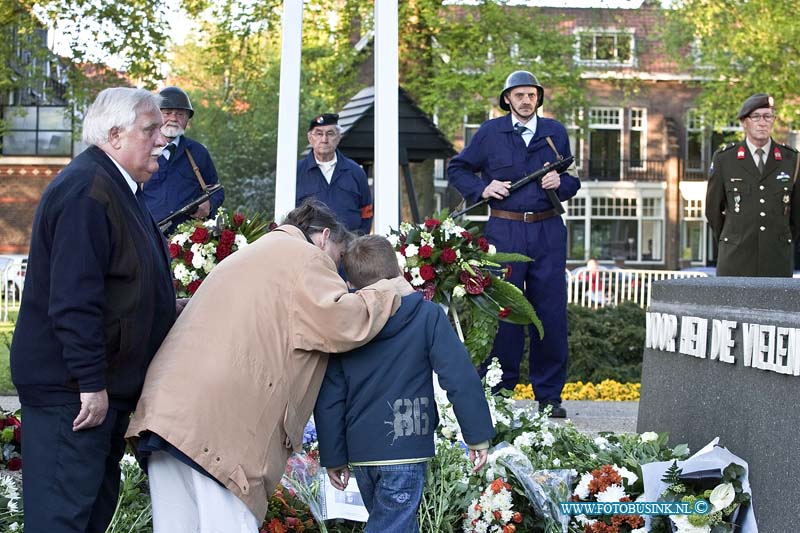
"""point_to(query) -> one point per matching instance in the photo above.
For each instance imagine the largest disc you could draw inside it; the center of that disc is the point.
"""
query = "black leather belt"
(527, 216)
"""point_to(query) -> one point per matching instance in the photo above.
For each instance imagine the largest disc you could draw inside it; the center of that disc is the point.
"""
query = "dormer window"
(605, 47)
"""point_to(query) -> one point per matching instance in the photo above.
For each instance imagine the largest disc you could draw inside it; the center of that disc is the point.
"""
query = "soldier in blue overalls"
(333, 179)
(502, 151)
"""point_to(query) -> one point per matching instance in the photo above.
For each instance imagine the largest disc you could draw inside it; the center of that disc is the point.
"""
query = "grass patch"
(6, 332)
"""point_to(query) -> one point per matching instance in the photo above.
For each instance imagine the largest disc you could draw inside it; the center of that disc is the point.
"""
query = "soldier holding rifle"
(185, 169)
(503, 151)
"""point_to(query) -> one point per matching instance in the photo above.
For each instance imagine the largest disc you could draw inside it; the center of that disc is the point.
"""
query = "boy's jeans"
(391, 494)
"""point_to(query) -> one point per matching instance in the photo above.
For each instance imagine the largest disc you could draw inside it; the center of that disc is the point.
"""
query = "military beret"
(325, 119)
(757, 101)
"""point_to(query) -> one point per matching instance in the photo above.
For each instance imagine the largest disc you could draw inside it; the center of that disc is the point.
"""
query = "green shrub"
(605, 343)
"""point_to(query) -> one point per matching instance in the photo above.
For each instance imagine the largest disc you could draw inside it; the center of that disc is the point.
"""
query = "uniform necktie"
(760, 158)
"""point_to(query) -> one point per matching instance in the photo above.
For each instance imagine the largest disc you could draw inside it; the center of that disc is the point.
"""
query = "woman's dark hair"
(313, 216)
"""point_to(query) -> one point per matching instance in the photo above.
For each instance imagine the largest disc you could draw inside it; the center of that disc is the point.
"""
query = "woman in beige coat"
(234, 383)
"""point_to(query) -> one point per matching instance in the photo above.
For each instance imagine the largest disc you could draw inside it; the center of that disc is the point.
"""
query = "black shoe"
(556, 410)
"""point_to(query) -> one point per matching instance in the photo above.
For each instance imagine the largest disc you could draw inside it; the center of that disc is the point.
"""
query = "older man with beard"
(185, 167)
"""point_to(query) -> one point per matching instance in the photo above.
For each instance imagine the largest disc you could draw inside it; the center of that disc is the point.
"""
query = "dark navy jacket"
(98, 297)
(348, 193)
(499, 153)
(175, 184)
(376, 402)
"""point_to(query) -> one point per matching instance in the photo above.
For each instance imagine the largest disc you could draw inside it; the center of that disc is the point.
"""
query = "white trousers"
(186, 501)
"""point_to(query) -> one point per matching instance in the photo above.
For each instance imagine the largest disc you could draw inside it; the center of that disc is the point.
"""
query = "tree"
(738, 48)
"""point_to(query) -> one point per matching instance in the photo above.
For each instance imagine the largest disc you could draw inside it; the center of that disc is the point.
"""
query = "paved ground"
(592, 417)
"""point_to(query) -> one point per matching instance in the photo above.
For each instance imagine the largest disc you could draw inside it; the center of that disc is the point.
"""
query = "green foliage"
(605, 343)
(445, 495)
(481, 327)
(133, 512)
(731, 45)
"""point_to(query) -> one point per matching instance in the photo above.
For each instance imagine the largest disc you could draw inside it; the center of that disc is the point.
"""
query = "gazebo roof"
(418, 134)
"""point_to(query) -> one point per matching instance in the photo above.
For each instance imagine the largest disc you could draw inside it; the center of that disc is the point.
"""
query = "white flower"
(722, 496)
(416, 279)
(180, 271)
(240, 241)
(683, 525)
(401, 260)
(547, 439)
(13, 527)
(405, 227)
(492, 250)
(525, 439)
(613, 493)
(128, 459)
(210, 223)
(601, 442)
(556, 462)
(639, 530)
(459, 291)
(630, 477)
(582, 489)
(584, 520)
(179, 239)
(411, 250)
(426, 238)
(494, 374)
(649, 436)
(393, 239)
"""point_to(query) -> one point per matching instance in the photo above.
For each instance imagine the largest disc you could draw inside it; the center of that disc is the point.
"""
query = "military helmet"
(521, 78)
(175, 98)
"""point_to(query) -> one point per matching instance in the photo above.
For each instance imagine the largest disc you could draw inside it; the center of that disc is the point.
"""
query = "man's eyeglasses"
(768, 117)
(326, 134)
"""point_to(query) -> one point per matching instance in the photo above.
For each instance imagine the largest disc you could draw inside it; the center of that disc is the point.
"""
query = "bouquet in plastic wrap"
(714, 482)
(302, 480)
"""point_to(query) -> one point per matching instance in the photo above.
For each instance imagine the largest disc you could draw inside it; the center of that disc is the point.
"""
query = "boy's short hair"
(369, 259)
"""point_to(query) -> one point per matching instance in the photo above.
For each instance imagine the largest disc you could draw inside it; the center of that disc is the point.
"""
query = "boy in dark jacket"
(376, 409)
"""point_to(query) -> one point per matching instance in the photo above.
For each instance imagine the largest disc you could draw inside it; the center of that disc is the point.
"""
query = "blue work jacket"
(347, 194)
(497, 152)
(175, 184)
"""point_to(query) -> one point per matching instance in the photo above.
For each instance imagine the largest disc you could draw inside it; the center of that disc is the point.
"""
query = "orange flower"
(517, 518)
(497, 485)
(497, 515)
(510, 528)
(276, 526)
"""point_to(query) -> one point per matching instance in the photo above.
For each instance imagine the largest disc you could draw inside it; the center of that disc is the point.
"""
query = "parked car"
(12, 275)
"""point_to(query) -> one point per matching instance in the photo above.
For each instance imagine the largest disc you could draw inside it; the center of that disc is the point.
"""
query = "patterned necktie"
(760, 160)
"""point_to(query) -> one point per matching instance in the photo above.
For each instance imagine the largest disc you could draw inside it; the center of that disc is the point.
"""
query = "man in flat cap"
(330, 177)
(752, 201)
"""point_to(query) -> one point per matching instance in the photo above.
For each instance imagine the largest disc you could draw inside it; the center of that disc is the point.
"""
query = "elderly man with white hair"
(97, 303)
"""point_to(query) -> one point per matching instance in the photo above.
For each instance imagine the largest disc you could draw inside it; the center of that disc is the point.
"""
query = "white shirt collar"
(531, 124)
(326, 164)
(132, 184)
(752, 147)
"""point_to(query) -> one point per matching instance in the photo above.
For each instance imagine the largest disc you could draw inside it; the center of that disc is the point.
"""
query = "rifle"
(559, 166)
(189, 208)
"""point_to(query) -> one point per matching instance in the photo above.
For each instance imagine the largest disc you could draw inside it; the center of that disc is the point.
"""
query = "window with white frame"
(693, 231)
(576, 229)
(609, 228)
(637, 142)
(605, 136)
(604, 47)
(652, 229)
(695, 140)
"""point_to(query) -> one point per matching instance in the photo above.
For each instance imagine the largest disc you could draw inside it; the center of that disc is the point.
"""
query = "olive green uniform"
(755, 217)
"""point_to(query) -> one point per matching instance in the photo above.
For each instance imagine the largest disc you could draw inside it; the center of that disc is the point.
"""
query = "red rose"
(15, 463)
(486, 280)
(504, 312)
(517, 518)
(427, 272)
(425, 251)
(200, 235)
(272, 225)
(174, 250)
(238, 219)
(483, 244)
(467, 236)
(227, 237)
(448, 256)
(507, 274)
(429, 290)
(431, 223)
(408, 277)
(472, 284)
(193, 286)
(223, 251)
(188, 256)
(402, 250)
